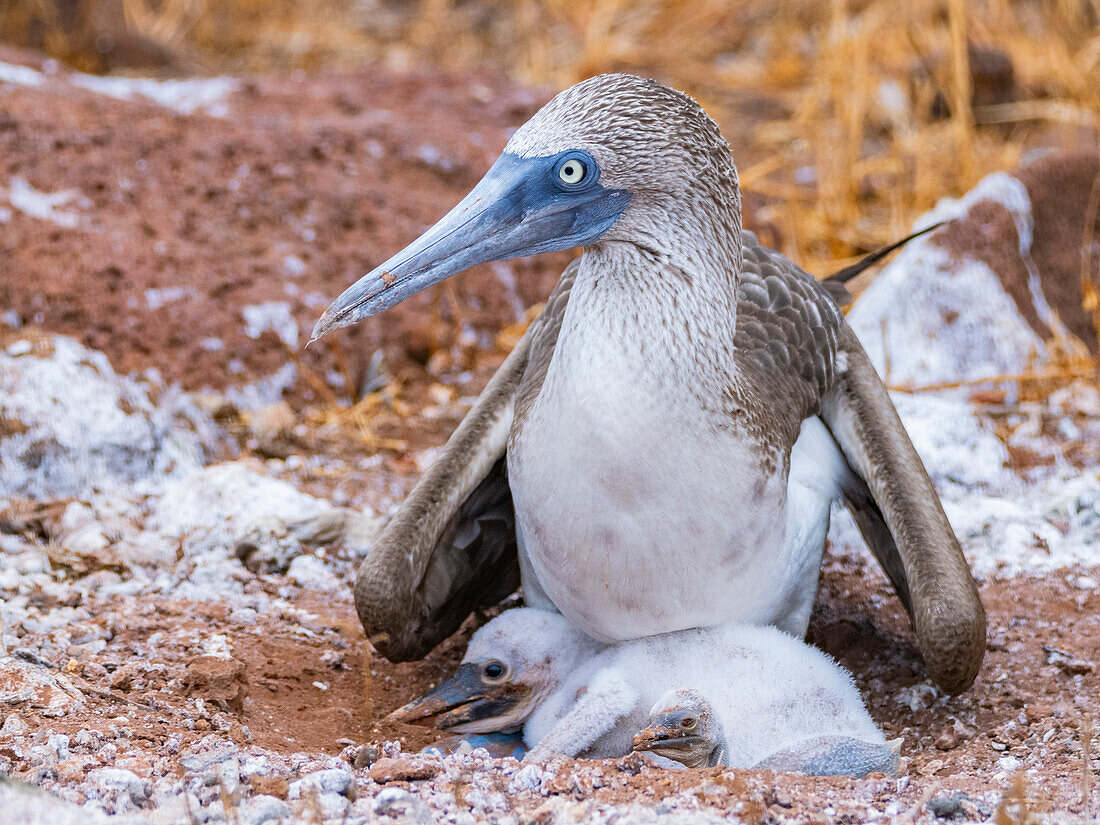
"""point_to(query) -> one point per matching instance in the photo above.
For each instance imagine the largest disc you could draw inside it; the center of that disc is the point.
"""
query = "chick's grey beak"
(655, 736)
(515, 210)
(459, 700)
(666, 732)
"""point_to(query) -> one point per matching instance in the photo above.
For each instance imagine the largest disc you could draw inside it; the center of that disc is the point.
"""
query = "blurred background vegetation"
(864, 112)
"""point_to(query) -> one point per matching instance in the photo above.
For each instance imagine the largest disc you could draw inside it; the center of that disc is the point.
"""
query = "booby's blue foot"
(499, 745)
(837, 756)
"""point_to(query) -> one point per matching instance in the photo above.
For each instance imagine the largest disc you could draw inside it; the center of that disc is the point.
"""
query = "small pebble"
(13, 725)
(948, 806)
(398, 802)
(333, 780)
(264, 808)
(402, 770)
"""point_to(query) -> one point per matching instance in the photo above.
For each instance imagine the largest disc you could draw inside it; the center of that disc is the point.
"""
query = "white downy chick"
(577, 697)
(685, 727)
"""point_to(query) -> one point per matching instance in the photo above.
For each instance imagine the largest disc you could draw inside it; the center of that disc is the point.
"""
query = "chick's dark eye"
(494, 670)
(688, 722)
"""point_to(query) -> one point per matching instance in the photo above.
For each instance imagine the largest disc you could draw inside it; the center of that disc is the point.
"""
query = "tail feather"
(842, 276)
(835, 284)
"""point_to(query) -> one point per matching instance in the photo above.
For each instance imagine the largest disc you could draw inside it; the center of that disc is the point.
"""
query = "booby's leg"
(607, 700)
(836, 756)
(817, 477)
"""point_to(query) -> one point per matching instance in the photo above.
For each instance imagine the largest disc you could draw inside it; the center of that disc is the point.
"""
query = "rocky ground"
(185, 491)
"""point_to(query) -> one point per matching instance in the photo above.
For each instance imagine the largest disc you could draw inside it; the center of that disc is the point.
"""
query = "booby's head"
(511, 664)
(683, 727)
(613, 158)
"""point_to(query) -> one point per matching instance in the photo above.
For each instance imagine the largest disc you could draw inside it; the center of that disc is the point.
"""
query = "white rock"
(264, 808)
(20, 75)
(37, 687)
(332, 804)
(216, 644)
(528, 778)
(955, 445)
(332, 780)
(1008, 524)
(120, 780)
(186, 96)
(222, 505)
(14, 725)
(45, 205)
(397, 802)
(59, 744)
(157, 298)
(310, 572)
(901, 317)
(244, 615)
(293, 265)
(84, 426)
(271, 315)
(264, 391)
(27, 805)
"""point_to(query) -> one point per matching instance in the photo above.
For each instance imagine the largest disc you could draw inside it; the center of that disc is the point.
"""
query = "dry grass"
(1016, 806)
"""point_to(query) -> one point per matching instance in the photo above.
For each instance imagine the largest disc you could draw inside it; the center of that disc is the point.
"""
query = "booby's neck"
(671, 275)
(695, 228)
(638, 327)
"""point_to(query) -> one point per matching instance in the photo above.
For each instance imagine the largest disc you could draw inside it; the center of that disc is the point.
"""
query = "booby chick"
(685, 727)
(571, 695)
(661, 449)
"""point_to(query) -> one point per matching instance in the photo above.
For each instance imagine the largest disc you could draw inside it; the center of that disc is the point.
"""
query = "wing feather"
(919, 546)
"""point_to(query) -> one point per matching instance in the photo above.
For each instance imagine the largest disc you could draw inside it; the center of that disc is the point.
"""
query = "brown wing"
(786, 338)
(801, 358)
(917, 545)
(451, 546)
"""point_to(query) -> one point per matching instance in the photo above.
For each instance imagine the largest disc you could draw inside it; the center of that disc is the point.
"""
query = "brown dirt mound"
(1064, 189)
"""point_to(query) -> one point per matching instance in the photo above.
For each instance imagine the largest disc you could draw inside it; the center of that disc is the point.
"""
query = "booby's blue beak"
(523, 206)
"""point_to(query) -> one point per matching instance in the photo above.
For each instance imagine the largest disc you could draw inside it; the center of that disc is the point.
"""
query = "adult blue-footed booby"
(663, 445)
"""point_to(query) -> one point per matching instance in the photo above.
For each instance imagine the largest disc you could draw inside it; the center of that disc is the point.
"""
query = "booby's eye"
(689, 723)
(575, 170)
(572, 171)
(494, 671)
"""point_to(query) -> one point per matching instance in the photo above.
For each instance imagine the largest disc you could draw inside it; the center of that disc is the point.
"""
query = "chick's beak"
(460, 701)
(655, 736)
